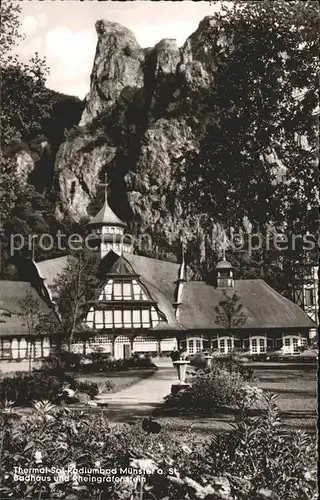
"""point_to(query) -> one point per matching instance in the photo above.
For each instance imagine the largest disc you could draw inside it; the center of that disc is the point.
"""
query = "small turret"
(107, 230)
(224, 271)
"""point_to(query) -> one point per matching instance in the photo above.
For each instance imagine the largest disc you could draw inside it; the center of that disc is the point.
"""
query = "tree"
(30, 312)
(229, 312)
(72, 289)
(23, 93)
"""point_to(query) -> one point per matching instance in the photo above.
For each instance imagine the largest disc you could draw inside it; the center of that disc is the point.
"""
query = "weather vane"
(105, 185)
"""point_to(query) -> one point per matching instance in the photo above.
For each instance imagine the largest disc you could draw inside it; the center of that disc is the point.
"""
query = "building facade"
(146, 305)
(306, 288)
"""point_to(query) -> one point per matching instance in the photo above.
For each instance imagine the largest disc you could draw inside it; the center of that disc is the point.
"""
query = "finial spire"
(224, 253)
(105, 185)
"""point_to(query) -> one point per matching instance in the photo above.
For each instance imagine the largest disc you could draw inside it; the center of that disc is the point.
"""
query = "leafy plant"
(230, 312)
(256, 459)
(24, 388)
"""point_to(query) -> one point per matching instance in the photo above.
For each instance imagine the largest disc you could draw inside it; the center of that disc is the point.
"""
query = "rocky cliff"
(138, 119)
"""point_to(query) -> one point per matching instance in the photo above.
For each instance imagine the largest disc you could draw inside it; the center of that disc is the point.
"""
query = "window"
(101, 339)
(229, 345)
(15, 348)
(38, 349)
(262, 345)
(292, 344)
(194, 345)
(198, 345)
(127, 291)
(136, 318)
(225, 344)
(90, 317)
(23, 348)
(99, 322)
(295, 344)
(127, 321)
(154, 317)
(117, 318)
(6, 349)
(122, 339)
(117, 292)
(257, 345)
(190, 347)
(145, 318)
(45, 347)
(254, 346)
(108, 320)
(142, 338)
(309, 297)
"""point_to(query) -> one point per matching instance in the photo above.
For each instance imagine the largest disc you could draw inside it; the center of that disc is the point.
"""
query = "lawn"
(297, 394)
(121, 379)
(296, 391)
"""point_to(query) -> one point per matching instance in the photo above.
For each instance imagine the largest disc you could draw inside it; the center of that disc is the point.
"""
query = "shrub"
(103, 362)
(214, 388)
(24, 388)
(255, 460)
(229, 362)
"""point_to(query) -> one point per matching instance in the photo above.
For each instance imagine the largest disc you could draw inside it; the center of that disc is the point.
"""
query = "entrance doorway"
(122, 347)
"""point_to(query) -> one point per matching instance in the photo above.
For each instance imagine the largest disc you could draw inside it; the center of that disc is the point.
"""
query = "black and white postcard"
(159, 250)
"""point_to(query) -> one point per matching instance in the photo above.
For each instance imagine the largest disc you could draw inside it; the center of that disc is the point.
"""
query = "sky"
(64, 32)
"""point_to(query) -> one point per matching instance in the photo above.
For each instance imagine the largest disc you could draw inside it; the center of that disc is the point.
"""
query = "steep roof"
(265, 308)
(107, 217)
(224, 264)
(11, 293)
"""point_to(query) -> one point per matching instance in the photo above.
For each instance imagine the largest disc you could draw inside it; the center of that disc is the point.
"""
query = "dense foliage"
(255, 171)
(33, 124)
(22, 389)
(254, 460)
(102, 362)
(219, 387)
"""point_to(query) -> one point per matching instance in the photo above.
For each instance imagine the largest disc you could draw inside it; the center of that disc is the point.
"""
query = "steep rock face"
(139, 107)
(161, 149)
(167, 56)
(78, 165)
(25, 165)
(34, 164)
(118, 64)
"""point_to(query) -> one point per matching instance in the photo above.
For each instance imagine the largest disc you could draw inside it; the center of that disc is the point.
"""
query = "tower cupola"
(224, 270)
(107, 230)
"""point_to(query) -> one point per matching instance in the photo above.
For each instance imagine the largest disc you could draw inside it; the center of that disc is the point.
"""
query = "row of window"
(257, 345)
(24, 349)
(117, 247)
(109, 230)
(123, 290)
(122, 318)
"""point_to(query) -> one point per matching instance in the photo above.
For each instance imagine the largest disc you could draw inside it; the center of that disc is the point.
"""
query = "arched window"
(144, 343)
(225, 344)
(291, 344)
(194, 344)
(258, 344)
(122, 339)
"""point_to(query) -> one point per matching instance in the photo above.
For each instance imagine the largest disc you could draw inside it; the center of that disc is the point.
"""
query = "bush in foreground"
(96, 362)
(215, 388)
(256, 460)
(55, 386)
